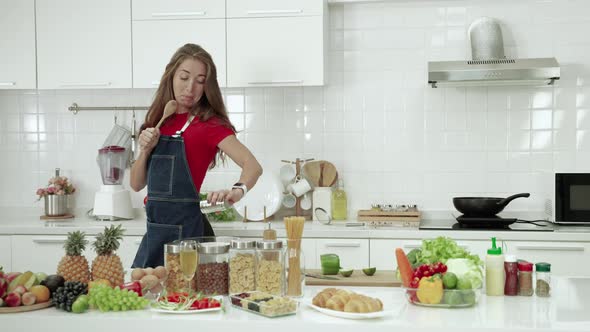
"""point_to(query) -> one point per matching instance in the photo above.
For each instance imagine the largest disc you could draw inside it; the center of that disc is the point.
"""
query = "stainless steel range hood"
(489, 66)
(538, 71)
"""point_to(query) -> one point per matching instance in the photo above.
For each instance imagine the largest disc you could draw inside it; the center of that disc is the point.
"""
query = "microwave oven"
(572, 198)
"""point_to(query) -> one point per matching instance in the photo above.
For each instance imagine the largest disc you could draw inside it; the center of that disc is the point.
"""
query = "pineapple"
(73, 266)
(107, 265)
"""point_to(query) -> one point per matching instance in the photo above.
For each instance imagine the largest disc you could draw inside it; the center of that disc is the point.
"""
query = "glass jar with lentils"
(213, 268)
(242, 266)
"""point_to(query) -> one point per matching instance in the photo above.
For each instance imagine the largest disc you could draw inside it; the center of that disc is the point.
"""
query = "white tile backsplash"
(392, 138)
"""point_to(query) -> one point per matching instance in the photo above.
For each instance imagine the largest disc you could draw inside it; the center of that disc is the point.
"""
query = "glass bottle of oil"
(339, 204)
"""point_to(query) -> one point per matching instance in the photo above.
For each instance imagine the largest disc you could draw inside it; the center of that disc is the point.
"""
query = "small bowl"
(452, 298)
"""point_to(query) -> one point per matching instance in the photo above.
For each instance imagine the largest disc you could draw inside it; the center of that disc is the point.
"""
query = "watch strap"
(242, 186)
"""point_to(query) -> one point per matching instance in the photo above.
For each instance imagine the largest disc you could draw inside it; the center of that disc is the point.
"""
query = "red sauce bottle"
(511, 272)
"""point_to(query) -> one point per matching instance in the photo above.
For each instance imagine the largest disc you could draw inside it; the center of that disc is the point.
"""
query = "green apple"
(40, 276)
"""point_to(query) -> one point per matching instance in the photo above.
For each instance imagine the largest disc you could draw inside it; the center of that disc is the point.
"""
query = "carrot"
(404, 266)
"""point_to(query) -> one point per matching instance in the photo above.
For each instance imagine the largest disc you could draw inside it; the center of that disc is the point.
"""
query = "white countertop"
(27, 222)
(566, 310)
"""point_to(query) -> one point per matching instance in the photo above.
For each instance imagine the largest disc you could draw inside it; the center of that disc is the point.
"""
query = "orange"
(41, 292)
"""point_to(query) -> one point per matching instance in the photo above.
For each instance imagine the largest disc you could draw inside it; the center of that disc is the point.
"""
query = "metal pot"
(483, 206)
(56, 205)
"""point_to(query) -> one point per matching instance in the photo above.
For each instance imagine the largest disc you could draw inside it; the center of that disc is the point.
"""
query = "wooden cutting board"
(382, 278)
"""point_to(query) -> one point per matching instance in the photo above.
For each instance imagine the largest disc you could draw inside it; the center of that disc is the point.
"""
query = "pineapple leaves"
(108, 241)
(75, 243)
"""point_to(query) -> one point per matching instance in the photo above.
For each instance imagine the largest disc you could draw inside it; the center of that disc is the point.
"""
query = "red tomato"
(145, 200)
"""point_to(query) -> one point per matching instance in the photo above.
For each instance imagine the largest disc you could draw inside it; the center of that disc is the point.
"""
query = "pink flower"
(51, 190)
(41, 192)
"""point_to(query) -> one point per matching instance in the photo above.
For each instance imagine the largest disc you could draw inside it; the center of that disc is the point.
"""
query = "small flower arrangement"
(58, 185)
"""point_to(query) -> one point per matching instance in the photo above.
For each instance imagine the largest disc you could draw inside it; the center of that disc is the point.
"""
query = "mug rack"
(298, 162)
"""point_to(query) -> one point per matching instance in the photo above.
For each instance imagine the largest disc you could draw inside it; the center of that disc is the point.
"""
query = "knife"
(320, 276)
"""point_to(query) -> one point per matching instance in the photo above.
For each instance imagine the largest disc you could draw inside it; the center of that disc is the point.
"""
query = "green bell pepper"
(330, 264)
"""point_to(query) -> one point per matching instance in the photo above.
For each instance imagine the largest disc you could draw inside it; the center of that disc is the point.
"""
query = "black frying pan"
(483, 206)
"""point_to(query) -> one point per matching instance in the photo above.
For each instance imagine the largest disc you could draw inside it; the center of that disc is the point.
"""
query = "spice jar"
(525, 278)
(511, 273)
(213, 268)
(175, 281)
(242, 266)
(543, 287)
(270, 270)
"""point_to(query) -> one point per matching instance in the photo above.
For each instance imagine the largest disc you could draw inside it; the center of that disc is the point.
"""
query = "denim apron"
(172, 209)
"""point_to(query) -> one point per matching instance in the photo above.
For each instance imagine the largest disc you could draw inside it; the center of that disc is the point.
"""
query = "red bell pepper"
(133, 286)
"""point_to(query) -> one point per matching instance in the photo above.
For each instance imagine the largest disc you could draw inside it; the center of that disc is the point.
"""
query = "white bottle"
(494, 271)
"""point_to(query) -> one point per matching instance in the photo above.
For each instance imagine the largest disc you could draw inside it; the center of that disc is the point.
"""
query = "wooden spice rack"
(375, 217)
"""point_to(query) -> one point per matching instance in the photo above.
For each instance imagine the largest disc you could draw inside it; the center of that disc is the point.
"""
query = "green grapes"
(115, 299)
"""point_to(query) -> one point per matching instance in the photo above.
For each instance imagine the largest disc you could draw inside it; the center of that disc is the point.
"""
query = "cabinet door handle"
(44, 240)
(343, 245)
(412, 246)
(85, 84)
(277, 82)
(550, 248)
(177, 14)
(275, 11)
(7, 83)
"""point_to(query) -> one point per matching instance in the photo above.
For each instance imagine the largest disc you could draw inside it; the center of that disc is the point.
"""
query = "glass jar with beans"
(213, 268)
(270, 269)
(242, 266)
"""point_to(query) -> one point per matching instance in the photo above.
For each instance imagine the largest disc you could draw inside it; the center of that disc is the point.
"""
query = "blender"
(113, 201)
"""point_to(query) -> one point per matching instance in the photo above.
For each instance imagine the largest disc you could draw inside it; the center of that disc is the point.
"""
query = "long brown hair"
(211, 103)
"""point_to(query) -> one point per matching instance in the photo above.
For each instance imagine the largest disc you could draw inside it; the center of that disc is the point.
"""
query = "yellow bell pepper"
(430, 290)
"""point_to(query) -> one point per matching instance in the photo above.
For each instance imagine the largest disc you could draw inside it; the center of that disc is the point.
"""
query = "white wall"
(392, 138)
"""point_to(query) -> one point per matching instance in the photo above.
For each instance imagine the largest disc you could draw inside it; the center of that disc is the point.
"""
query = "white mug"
(300, 187)
(305, 202)
(289, 200)
(287, 173)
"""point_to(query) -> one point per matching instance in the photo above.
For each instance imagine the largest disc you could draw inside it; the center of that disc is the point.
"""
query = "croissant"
(342, 300)
(322, 297)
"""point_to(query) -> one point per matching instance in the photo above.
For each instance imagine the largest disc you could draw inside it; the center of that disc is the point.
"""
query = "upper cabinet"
(83, 44)
(265, 8)
(17, 42)
(177, 9)
(159, 30)
(272, 43)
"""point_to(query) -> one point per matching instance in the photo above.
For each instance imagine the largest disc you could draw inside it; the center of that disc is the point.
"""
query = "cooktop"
(470, 224)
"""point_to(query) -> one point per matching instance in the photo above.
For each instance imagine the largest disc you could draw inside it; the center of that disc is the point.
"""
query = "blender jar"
(112, 161)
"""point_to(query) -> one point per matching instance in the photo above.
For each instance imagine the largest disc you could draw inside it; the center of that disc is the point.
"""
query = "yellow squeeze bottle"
(494, 271)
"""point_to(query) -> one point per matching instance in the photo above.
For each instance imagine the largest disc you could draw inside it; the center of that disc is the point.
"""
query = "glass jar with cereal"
(175, 281)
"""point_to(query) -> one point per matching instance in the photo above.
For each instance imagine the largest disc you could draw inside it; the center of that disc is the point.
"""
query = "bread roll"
(342, 300)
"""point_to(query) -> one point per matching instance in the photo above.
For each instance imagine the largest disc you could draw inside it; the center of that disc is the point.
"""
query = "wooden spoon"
(169, 109)
(330, 174)
(311, 171)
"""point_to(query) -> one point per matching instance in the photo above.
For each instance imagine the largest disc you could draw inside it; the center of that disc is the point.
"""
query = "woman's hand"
(148, 139)
(231, 196)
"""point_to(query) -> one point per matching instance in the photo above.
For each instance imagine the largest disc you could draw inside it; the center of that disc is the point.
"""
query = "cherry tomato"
(427, 273)
(145, 200)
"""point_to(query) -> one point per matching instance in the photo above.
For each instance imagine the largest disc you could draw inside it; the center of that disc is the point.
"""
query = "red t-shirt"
(200, 142)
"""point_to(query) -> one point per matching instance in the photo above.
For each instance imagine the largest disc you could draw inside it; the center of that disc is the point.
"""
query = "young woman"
(174, 159)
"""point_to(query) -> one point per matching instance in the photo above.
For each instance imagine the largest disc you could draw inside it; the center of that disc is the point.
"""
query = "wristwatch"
(242, 186)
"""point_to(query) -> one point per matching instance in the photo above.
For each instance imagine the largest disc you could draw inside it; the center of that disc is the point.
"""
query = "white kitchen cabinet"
(127, 251)
(566, 258)
(6, 253)
(265, 8)
(275, 51)
(83, 44)
(154, 43)
(177, 9)
(17, 42)
(383, 250)
(353, 253)
(41, 253)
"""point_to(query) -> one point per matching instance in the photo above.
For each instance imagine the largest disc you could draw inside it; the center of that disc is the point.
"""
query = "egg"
(137, 274)
(161, 272)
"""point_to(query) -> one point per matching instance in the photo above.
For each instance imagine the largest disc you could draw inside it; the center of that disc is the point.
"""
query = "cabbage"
(465, 268)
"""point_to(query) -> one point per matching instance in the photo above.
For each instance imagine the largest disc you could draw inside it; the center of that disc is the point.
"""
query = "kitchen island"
(566, 310)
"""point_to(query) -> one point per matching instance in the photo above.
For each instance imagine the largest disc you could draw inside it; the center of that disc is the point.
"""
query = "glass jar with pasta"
(270, 270)
(175, 281)
(242, 266)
